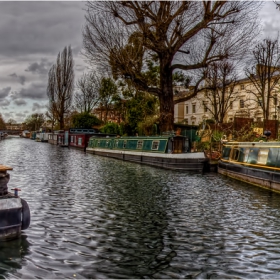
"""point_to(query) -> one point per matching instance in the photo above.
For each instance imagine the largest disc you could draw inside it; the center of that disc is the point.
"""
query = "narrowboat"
(33, 135)
(79, 138)
(167, 151)
(14, 211)
(53, 136)
(256, 163)
(25, 134)
(42, 137)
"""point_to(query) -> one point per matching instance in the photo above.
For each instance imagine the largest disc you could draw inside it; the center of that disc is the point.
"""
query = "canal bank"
(96, 217)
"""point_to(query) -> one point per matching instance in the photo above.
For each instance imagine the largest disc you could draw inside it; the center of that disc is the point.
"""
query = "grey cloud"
(7, 115)
(20, 79)
(4, 92)
(33, 91)
(4, 102)
(40, 26)
(37, 106)
(21, 115)
(80, 67)
(39, 68)
(20, 102)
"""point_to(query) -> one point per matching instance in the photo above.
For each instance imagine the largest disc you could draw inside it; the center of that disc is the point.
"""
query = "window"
(260, 103)
(155, 145)
(230, 120)
(246, 154)
(187, 109)
(231, 105)
(139, 144)
(116, 143)
(205, 106)
(80, 141)
(275, 100)
(235, 154)
(72, 138)
(262, 156)
(242, 87)
(193, 109)
(107, 143)
(98, 143)
(241, 103)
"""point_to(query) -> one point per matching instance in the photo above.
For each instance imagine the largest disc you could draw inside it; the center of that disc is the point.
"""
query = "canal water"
(95, 217)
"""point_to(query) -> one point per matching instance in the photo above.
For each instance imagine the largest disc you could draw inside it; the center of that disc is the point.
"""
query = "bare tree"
(220, 80)
(264, 74)
(61, 85)
(182, 35)
(108, 92)
(88, 97)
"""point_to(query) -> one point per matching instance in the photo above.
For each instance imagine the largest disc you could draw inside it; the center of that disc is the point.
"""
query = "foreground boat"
(14, 211)
(170, 152)
(257, 163)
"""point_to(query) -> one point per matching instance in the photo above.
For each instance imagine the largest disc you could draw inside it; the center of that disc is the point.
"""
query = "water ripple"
(94, 217)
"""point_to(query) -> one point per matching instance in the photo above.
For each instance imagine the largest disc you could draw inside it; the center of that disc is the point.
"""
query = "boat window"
(107, 143)
(71, 139)
(98, 143)
(79, 141)
(139, 144)
(124, 143)
(155, 145)
(262, 156)
(246, 154)
(226, 152)
(235, 154)
(116, 143)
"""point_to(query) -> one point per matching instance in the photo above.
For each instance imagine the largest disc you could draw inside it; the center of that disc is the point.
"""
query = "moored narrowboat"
(256, 163)
(53, 136)
(168, 151)
(14, 211)
(79, 137)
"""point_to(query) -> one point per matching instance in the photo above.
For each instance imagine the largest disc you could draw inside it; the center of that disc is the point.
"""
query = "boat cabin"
(155, 144)
(253, 153)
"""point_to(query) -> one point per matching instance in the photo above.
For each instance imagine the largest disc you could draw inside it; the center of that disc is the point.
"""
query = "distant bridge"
(12, 131)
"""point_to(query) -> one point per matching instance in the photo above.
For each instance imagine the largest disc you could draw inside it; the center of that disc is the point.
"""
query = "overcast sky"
(31, 36)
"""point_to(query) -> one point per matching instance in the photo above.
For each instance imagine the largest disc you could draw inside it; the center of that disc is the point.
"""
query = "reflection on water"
(11, 255)
(94, 217)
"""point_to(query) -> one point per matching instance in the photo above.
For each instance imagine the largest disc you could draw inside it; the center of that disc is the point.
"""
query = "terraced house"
(242, 99)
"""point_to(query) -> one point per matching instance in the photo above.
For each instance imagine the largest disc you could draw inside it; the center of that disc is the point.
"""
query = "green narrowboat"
(257, 163)
(170, 152)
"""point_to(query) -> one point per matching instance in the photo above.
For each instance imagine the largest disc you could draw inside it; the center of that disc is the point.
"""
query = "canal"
(94, 217)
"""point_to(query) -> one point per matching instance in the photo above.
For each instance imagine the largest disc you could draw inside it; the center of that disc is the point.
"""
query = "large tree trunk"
(61, 122)
(166, 118)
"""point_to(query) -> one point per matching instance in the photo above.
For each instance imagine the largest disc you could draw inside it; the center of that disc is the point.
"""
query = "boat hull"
(187, 162)
(10, 218)
(267, 179)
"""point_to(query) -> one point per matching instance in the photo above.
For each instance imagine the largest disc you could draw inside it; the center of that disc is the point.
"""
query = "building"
(243, 103)
(15, 126)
